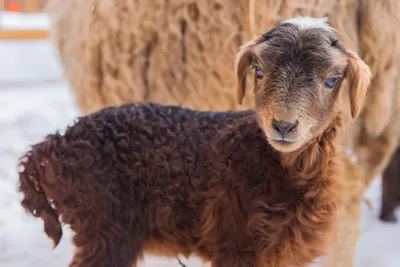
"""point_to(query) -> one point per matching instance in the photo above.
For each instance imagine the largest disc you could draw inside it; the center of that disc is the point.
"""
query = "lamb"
(180, 52)
(391, 189)
(237, 188)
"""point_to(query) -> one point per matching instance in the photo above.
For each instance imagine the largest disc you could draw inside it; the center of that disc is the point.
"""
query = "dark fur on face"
(391, 189)
(149, 178)
(299, 70)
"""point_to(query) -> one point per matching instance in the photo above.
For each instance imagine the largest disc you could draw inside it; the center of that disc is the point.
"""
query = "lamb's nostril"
(292, 126)
(284, 127)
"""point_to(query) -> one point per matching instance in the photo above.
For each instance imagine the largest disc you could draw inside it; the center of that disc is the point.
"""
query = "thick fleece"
(162, 179)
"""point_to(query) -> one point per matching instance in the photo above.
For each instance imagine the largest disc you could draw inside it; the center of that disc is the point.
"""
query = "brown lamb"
(180, 52)
(391, 189)
(237, 188)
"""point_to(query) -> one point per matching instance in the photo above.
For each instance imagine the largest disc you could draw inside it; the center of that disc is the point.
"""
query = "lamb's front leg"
(233, 243)
(229, 257)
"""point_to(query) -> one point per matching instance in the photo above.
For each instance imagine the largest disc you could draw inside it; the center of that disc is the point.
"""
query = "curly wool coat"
(218, 189)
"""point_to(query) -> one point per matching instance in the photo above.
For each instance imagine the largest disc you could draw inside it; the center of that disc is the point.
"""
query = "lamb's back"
(149, 148)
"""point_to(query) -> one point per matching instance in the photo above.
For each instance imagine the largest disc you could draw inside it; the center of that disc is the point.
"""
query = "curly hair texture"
(237, 188)
(180, 52)
(217, 189)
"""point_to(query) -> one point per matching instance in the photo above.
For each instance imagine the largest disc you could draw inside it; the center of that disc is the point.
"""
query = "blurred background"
(36, 99)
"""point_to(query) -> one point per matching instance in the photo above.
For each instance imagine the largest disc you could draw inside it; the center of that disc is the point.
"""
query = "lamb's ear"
(242, 66)
(359, 77)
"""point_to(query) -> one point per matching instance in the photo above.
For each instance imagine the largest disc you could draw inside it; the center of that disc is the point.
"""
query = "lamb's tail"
(35, 200)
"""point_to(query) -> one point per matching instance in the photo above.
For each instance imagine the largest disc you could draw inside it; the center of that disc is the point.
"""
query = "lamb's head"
(300, 67)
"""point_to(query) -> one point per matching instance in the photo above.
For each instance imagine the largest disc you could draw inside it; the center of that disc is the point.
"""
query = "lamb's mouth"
(286, 144)
(286, 141)
(283, 142)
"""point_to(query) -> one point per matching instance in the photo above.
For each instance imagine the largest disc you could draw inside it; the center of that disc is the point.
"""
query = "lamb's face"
(299, 67)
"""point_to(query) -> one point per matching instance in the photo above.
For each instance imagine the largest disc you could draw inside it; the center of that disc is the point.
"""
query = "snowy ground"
(24, 21)
(34, 100)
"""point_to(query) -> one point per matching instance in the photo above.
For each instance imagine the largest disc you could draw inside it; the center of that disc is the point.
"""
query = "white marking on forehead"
(305, 23)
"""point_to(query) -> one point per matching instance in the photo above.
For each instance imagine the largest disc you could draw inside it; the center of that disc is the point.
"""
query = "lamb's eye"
(259, 73)
(330, 83)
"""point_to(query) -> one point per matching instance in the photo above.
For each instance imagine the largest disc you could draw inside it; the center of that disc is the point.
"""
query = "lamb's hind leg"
(106, 249)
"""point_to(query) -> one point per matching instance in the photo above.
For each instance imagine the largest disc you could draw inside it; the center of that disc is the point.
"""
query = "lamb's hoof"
(389, 218)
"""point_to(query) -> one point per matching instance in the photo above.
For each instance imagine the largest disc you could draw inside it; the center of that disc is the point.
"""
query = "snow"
(379, 243)
(34, 101)
(24, 21)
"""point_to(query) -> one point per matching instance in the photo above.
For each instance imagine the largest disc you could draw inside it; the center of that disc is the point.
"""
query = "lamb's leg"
(231, 258)
(106, 250)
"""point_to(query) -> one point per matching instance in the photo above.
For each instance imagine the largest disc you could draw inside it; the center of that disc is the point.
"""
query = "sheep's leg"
(390, 191)
(355, 180)
(378, 154)
(343, 245)
(105, 250)
(343, 242)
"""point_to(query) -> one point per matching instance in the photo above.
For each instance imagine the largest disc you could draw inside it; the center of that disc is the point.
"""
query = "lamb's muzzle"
(226, 186)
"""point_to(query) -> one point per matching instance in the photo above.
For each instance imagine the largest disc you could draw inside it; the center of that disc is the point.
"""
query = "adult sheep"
(180, 52)
(237, 188)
